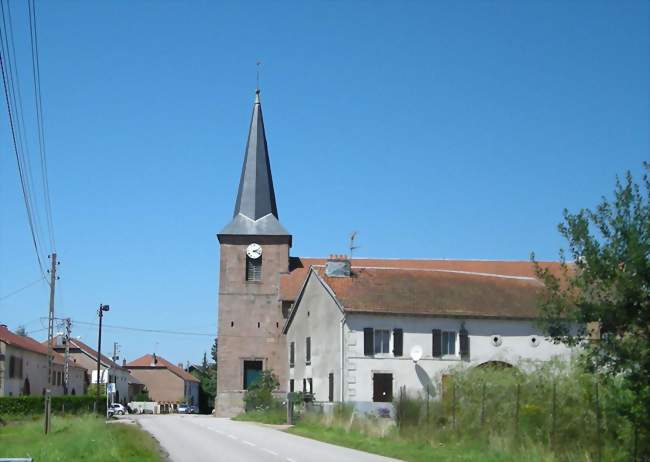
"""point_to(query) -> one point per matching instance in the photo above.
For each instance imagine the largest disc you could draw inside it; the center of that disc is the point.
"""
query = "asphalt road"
(193, 438)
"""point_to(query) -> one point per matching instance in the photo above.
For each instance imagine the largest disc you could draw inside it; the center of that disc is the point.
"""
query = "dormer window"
(254, 269)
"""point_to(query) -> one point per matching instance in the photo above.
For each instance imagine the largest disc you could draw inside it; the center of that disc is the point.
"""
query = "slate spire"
(255, 208)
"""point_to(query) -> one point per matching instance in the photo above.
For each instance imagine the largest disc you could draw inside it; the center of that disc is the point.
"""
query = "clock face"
(254, 251)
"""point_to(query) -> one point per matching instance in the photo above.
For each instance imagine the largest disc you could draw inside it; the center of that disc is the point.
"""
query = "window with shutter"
(382, 340)
(254, 269)
(330, 394)
(449, 343)
(368, 341)
(308, 350)
(398, 342)
(292, 354)
(436, 346)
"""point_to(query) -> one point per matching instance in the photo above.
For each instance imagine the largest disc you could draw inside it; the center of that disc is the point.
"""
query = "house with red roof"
(24, 368)
(360, 330)
(166, 382)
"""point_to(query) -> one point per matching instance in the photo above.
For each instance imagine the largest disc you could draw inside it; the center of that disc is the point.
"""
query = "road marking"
(289, 459)
(273, 453)
(248, 443)
(232, 437)
(218, 431)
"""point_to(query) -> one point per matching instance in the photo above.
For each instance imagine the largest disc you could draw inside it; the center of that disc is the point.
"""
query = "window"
(330, 394)
(252, 371)
(304, 385)
(292, 354)
(443, 343)
(308, 350)
(382, 388)
(254, 269)
(382, 341)
(291, 385)
(15, 367)
(368, 345)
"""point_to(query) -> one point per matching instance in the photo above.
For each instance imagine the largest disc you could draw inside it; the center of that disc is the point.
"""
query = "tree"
(601, 299)
(213, 351)
(207, 375)
(20, 330)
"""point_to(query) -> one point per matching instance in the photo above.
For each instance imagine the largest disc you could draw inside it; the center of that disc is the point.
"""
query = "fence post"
(427, 404)
(482, 405)
(453, 404)
(517, 412)
(553, 415)
(599, 454)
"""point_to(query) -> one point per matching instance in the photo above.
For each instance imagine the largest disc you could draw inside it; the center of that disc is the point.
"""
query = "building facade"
(165, 382)
(350, 334)
(24, 368)
(109, 370)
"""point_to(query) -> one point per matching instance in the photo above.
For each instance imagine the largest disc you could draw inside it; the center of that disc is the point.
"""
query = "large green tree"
(601, 298)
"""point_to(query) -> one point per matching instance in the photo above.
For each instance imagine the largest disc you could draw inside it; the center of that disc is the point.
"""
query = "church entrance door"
(252, 371)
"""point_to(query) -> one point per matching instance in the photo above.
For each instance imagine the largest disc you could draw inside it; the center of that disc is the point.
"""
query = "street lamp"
(100, 313)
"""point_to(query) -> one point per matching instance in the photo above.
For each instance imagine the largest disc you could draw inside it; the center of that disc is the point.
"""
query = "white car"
(117, 408)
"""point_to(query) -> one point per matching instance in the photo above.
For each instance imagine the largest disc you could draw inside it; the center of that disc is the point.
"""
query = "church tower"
(254, 253)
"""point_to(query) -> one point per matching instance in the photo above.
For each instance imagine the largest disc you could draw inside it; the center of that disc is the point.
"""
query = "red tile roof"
(298, 268)
(435, 292)
(147, 361)
(27, 343)
(90, 352)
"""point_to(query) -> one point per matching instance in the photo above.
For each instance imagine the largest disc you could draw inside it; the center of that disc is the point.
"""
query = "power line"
(9, 96)
(150, 331)
(21, 289)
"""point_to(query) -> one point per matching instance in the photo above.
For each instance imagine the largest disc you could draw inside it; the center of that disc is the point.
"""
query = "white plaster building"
(24, 366)
(350, 333)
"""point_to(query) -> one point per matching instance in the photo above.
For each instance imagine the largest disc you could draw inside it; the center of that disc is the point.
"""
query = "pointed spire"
(256, 196)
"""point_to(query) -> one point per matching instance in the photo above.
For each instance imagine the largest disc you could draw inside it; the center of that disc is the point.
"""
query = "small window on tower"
(253, 269)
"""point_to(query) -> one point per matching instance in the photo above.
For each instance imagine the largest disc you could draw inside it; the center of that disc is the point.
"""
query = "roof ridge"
(436, 270)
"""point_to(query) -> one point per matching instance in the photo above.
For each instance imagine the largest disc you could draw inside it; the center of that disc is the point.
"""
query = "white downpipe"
(343, 359)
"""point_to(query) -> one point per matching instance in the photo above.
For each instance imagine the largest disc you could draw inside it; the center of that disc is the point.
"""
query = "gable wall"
(317, 317)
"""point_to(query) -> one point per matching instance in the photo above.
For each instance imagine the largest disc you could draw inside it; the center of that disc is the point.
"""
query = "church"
(356, 330)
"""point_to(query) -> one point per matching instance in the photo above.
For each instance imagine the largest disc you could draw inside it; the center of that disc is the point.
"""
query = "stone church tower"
(254, 253)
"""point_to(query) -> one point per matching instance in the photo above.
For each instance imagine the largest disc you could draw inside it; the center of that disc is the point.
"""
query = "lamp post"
(100, 312)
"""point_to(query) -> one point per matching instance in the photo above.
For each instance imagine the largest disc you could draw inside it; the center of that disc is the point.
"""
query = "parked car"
(184, 409)
(117, 408)
(194, 409)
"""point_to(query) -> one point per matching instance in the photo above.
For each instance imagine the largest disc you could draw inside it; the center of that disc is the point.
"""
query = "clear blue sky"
(434, 129)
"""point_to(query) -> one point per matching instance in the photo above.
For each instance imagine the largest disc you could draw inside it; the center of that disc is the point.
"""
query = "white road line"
(232, 437)
(289, 459)
(218, 431)
(270, 452)
(248, 443)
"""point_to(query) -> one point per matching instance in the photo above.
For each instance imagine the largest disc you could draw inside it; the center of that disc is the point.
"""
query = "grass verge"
(86, 438)
(399, 448)
(270, 416)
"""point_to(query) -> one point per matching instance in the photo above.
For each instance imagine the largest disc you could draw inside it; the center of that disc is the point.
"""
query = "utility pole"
(68, 328)
(100, 313)
(50, 340)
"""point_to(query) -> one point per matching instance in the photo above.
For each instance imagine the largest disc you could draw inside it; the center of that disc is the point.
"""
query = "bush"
(35, 405)
(259, 395)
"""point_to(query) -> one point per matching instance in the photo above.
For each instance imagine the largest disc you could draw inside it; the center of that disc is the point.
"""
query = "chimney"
(338, 266)
(180, 365)
(154, 361)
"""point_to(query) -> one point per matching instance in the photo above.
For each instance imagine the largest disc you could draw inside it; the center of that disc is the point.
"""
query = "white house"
(351, 329)
(110, 371)
(24, 367)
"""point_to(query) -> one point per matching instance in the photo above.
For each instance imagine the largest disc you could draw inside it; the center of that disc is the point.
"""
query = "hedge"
(26, 405)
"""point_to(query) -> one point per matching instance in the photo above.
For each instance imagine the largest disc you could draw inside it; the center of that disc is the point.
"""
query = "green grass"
(84, 438)
(398, 448)
(274, 416)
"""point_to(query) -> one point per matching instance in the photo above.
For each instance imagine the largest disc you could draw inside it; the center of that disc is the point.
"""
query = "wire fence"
(566, 413)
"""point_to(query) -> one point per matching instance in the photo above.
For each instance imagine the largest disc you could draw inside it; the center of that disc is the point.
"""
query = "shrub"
(35, 405)
(260, 393)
